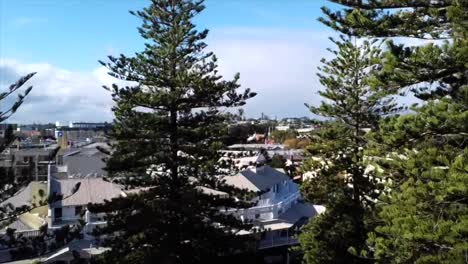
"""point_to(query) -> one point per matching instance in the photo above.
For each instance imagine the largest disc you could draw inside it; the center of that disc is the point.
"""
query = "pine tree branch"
(372, 5)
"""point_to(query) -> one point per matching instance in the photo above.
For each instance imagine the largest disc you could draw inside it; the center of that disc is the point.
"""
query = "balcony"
(282, 206)
(277, 242)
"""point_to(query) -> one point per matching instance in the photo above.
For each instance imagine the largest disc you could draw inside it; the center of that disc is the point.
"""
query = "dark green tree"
(342, 184)
(10, 110)
(433, 70)
(424, 217)
(167, 133)
(278, 161)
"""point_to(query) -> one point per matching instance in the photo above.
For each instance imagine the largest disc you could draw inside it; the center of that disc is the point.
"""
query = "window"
(275, 188)
(257, 216)
(58, 212)
(78, 210)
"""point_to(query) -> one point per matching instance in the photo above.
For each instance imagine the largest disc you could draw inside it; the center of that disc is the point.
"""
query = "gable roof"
(92, 190)
(22, 197)
(256, 179)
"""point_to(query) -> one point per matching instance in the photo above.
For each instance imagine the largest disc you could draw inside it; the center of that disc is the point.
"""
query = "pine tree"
(437, 70)
(424, 218)
(9, 186)
(342, 184)
(167, 133)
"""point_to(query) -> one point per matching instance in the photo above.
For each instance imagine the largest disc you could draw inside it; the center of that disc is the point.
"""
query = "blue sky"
(276, 46)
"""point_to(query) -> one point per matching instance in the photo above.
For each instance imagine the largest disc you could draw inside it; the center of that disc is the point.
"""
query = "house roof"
(85, 165)
(256, 179)
(19, 225)
(246, 161)
(91, 190)
(256, 146)
(299, 210)
(85, 161)
(22, 197)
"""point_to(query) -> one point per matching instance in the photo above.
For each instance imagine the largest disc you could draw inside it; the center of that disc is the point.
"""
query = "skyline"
(276, 47)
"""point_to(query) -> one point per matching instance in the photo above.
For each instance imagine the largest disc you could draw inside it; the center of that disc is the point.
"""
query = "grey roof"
(91, 190)
(85, 161)
(257, 179)
(22, 197)
(82, 165)
(19, 225)
(296, 212)
(286, 153)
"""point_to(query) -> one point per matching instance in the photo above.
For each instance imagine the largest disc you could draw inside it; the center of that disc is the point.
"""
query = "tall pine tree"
(167, 132)
(353, 104)
(425, 217)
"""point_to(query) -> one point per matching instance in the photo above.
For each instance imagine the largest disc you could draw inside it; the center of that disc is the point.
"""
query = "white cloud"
(59, 94)
(280, 65)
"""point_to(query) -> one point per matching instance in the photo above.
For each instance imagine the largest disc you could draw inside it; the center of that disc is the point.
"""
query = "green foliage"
(431, 70)
(424, 218)
(168, 130)
(278, 161)
(9, 185)
(327, 239)
(6, 113)
(341, 183)
(423, 213)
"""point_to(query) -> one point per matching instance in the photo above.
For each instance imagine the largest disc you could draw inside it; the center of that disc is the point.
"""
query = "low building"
(88, 125)
(29, 163)
(76, 195)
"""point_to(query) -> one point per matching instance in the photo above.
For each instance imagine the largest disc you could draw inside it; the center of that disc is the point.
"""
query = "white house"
(279, 210)
(73, 206)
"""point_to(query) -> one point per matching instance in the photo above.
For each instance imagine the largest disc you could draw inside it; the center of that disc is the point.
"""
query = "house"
(279, 211)
(244, 162)
(283, 127)
(76, 195)
(29, 163)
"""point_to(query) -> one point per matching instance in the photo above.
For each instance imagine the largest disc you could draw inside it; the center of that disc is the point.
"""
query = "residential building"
(30, 163)
(88, 125)
(279, 211)
(256, 147)
(77, 194)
